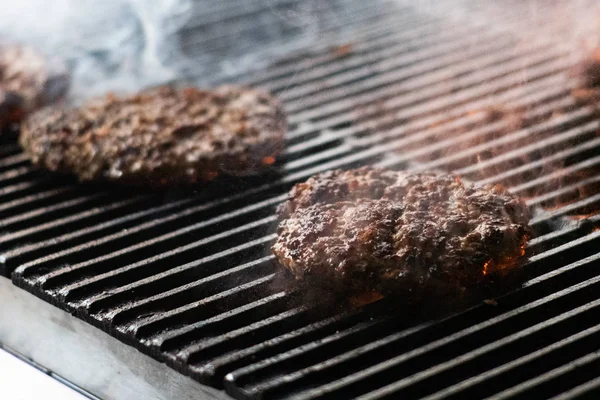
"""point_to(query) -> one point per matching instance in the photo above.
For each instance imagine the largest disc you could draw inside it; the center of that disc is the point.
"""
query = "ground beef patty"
(387, 231)
(159, 137)
(587, 72)
(28, 80)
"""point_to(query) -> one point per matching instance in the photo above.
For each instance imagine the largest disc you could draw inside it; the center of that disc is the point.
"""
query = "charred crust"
(159, 137)
(390, 232)
(28, 81)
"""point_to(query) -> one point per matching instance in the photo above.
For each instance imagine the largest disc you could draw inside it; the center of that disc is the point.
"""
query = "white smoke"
(125, 45)
(279, 29)
(110, 44)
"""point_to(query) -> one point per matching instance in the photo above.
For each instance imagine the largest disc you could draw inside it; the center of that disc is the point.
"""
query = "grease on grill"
(379, 231)
(160, 137)
(491, 302)
(342, 50)
(27, 81)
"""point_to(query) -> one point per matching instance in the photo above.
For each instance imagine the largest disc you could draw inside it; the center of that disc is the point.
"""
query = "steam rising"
(124, 45)
(110, 44)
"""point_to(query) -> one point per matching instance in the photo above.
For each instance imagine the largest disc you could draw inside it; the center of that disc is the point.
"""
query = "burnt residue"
(374, 230)
(342, 50)
(160, 137)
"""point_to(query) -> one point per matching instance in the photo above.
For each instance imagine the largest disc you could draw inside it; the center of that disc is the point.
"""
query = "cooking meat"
(27, 81)
(160, 137)
(587, 72)
(339, 185)
(391, 232)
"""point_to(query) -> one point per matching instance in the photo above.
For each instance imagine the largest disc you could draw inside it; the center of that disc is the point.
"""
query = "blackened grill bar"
(190, 282)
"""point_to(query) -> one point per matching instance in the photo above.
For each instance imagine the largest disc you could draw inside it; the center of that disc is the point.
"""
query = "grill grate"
(187, 278)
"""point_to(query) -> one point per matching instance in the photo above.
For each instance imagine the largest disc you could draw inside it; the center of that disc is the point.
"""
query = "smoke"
(526, 137)
(109, 44)
(270, 31)
(125, 45)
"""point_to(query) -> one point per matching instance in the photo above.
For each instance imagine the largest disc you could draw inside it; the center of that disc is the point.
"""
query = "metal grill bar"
(353, 379)
(212, 362)
(228, 358)
(24, 201)
(585, 389)
(372, 39)
(396, 387)
(10, 192)
(436, 90)
(13, 161)
(47, 212)
(581, 362)
(103, 300)
(545, 351)
(125, 313)
(80, 218)
(53, 279)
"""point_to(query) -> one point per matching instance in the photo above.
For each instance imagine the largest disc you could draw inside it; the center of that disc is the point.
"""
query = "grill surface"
(188, 279)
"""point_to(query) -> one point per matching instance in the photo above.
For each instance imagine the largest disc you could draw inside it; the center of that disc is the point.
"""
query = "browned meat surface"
(338, 185)
(27, 81)
(392, 232)
(160, 137)
(587, 72)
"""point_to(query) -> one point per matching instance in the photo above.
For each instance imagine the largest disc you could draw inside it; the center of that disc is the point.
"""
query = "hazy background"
(124, 45)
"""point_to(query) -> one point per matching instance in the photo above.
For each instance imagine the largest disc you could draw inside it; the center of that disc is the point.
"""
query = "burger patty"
(391, 232)
(587, 72)
(160, 137)
(27, 81)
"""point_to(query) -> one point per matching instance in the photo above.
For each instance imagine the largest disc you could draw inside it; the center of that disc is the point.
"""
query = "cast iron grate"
(188, 279)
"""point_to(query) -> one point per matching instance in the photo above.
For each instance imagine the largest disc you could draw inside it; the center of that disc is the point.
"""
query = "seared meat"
(338, 185)
(587, 72)
(160, 137)
(27, 81)
(373, 229)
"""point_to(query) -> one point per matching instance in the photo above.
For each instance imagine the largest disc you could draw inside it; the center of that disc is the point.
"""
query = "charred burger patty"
(387, 231)
(27, 81)
(159, 137)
